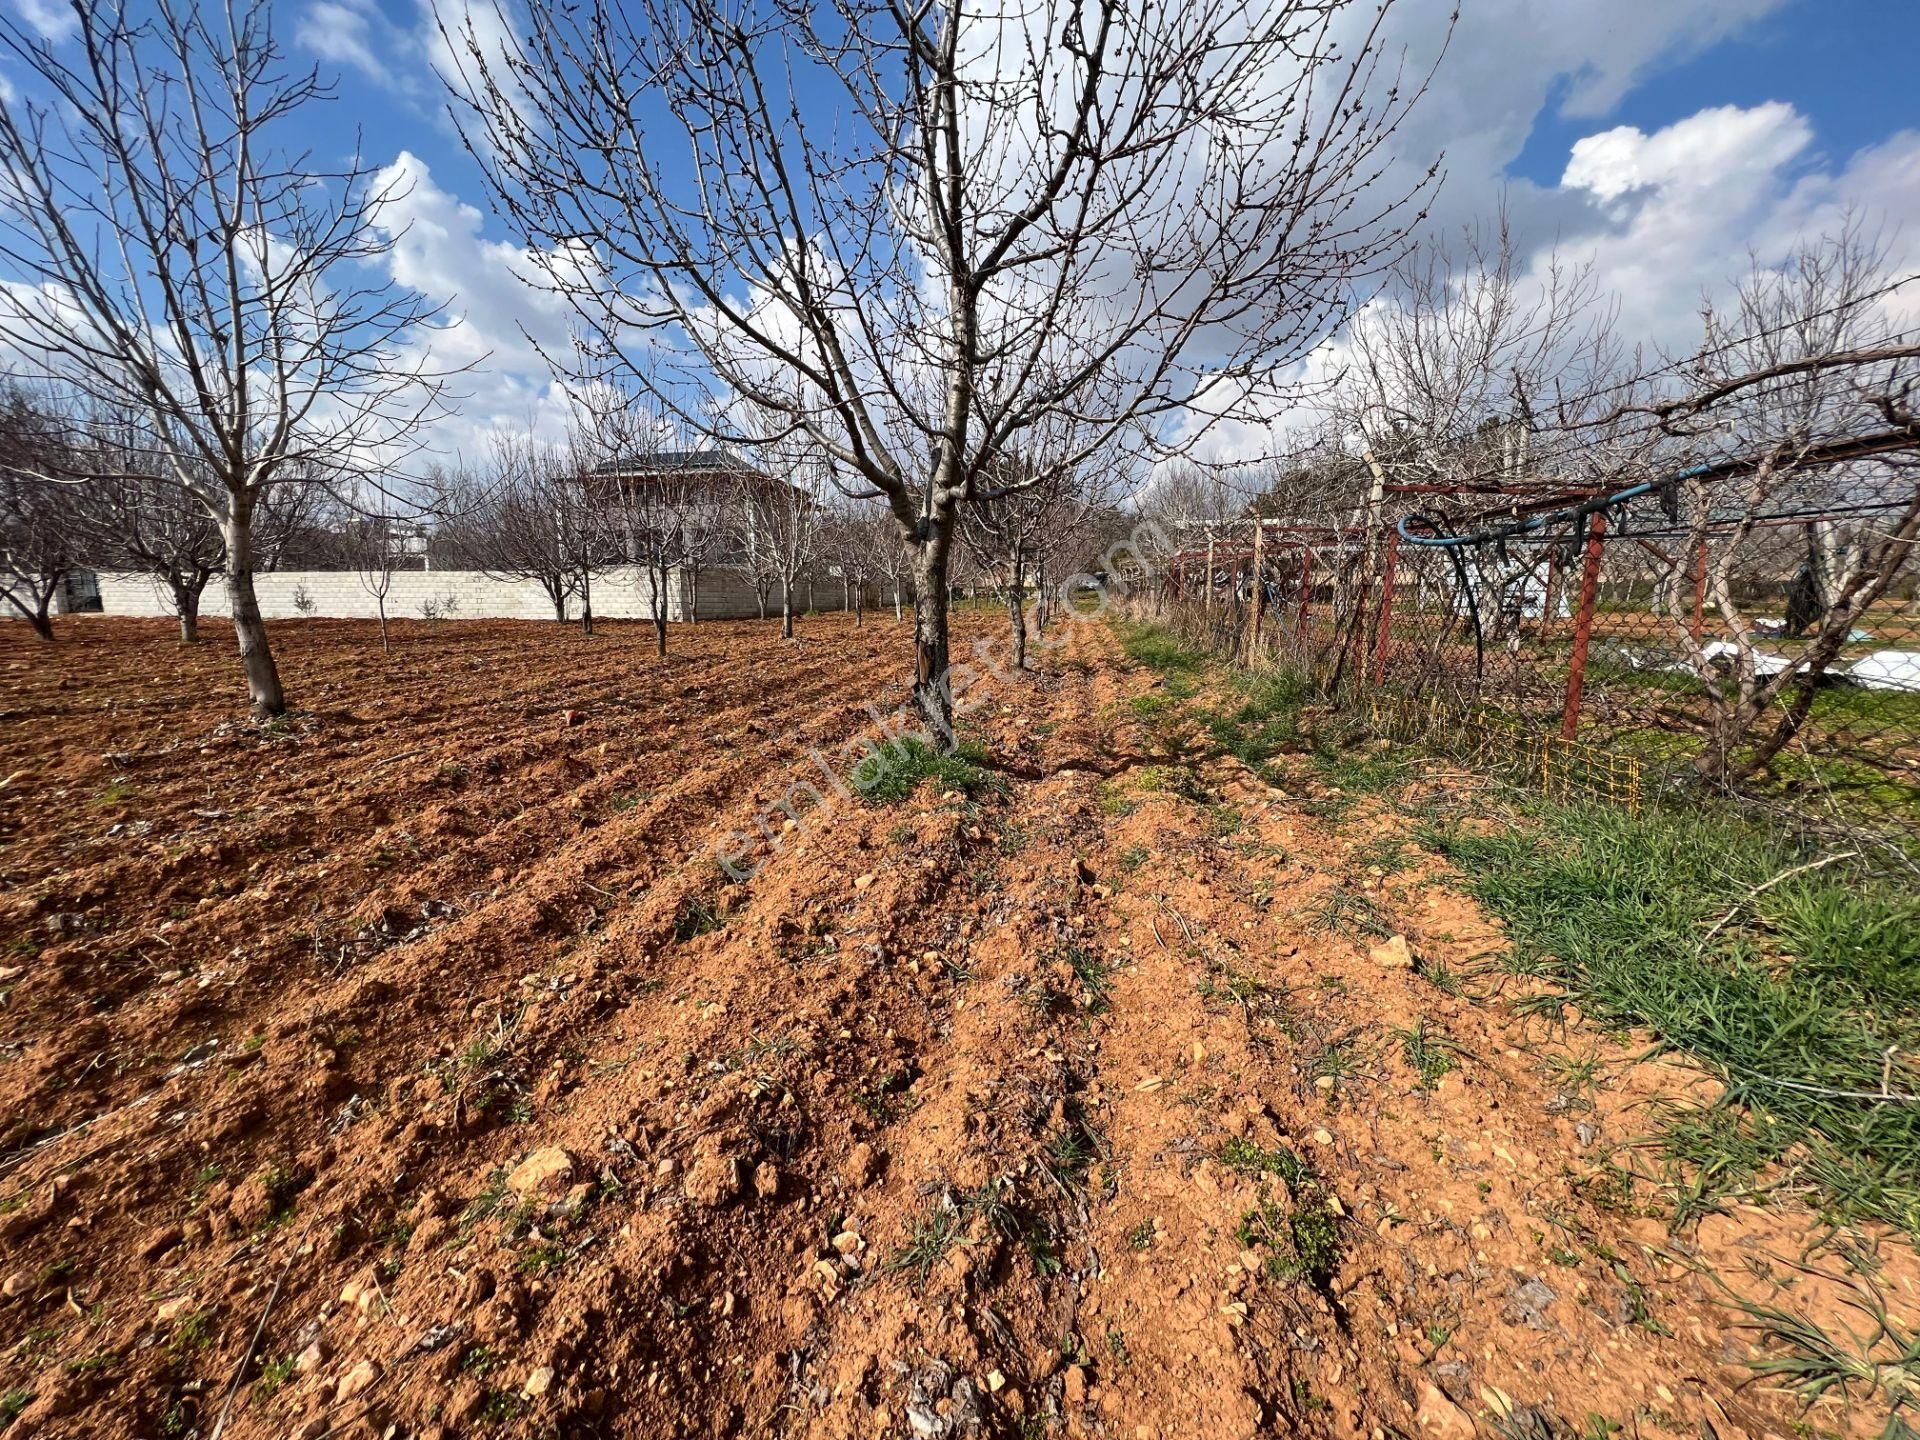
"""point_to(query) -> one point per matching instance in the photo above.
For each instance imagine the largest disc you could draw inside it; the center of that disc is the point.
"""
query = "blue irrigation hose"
(1539, 522)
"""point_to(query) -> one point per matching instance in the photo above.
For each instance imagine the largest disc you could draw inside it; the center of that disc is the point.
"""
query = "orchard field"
(411, 1066)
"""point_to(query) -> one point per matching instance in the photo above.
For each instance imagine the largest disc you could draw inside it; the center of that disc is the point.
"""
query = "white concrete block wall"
(624, 594)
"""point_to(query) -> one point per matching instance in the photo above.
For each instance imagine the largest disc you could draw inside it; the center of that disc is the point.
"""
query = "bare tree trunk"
(186, 605)
(657, 578)
(256, 656)
(1017, 611)
(38, 616)
(859, 606)
(559, 598)
(1042, 610)
(380, 604)
(898, 614)
(693, 594)
(932, 686)
(786, 607)
(760, 597)
(586, 601)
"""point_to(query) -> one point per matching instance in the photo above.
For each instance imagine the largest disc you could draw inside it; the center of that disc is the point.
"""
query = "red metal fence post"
(1385, 624)
(1583, 626)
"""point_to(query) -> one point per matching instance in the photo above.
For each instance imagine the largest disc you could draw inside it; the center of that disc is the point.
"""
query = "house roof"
(676, 462)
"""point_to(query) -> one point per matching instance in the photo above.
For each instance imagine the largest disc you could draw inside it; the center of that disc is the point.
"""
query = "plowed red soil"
(411, 1068)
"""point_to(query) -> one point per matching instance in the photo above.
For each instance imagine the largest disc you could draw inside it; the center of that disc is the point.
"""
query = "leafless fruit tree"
(152, 527)
(175, 259)
(915, 233)
(1478, 375)
(43, 529)
(657, 497)
(1799, 400)
(530, 512)
(1033, 513)
(853, 547)
(376, 535)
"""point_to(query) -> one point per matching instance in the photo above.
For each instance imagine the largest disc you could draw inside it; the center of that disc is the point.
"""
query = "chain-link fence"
(1618, 645)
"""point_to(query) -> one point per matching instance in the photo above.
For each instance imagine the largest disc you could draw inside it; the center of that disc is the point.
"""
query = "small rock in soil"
(863, 1163)
(1395, 954)
(540, 1169)
(1527, 1303)
(358, 1380)
(1076, 1382)
(252, 1204)
(712, 1178)
(156, 1243)
(1438, 1416)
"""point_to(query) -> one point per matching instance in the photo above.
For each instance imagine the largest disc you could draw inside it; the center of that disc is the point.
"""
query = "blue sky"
(1658, 139)
(1848, 65)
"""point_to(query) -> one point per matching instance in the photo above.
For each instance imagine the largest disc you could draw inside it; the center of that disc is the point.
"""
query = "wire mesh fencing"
(1606, 647)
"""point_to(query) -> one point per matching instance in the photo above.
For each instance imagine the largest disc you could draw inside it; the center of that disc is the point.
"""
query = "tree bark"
(658, 578)
(39, 617)
(898, 614)
(932, 686)
(380, 604)
(586, 602)
(693, 594)
(186, 605)
(256, 655)
(1017, 611)
(786, 607)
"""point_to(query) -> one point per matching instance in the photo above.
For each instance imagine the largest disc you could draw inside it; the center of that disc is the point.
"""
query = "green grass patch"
(1797, 989)
(1298, 1234)
(1266, 721)
(937, 1230)
(894, 771)
(1160, 650)
(1243, 1155)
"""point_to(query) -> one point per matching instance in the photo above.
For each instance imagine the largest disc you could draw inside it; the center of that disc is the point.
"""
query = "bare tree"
(779, 514)
(174, 259)
(375, 536)
(1030, 518)
(854, 549)
(42, 526)
(1799, 400)
(1484, 379)
(752, 539)
(703, 539)
(656, 497)
(142, 522)
(536, 512)
(950, 223)
(788, 512)
(892, 561)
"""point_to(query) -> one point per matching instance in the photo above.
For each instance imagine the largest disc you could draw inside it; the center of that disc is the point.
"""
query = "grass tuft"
(1799, 995)
(894, 771)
